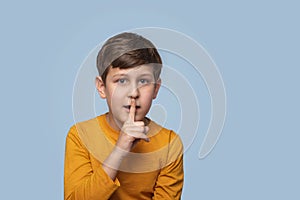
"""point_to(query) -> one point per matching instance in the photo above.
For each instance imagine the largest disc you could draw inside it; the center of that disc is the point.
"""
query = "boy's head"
(129, 67)
(127, 50)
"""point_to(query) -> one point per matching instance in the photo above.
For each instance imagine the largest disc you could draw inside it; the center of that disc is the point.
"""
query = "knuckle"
(141, 123)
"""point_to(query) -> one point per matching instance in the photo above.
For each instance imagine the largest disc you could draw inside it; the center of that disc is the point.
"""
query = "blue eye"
(122, 81)
(144, 81)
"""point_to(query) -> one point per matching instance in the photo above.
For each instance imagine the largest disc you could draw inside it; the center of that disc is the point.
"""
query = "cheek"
(116, 95)
(147, 95)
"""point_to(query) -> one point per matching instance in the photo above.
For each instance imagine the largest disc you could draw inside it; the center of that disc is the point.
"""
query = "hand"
(132, 131)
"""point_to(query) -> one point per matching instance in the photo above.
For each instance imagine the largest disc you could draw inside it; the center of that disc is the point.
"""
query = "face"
(124, 84)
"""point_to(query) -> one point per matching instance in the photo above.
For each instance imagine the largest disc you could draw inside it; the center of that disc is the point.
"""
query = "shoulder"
(79, 128)
(86, 125)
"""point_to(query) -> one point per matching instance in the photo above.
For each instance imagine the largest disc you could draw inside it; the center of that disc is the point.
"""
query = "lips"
(128, 107)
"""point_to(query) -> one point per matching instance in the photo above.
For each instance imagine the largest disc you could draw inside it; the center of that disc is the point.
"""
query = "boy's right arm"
(80, 181)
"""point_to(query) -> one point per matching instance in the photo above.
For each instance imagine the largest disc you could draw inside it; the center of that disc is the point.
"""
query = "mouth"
(128, 107)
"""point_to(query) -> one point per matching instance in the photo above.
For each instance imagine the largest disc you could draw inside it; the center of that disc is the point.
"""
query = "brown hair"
(127, 50)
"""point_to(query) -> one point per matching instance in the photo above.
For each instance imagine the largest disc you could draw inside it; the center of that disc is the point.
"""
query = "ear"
(100, 86)
(156, 89)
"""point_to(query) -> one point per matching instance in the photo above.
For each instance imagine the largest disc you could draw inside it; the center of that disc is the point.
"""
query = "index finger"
(132, 110)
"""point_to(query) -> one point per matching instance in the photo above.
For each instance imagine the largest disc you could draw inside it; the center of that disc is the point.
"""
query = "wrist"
(119, 152)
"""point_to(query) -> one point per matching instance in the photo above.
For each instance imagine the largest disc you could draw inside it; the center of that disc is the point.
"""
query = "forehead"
(133, 71)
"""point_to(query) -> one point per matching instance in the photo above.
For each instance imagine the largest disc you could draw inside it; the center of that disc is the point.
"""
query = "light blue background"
(255, 44)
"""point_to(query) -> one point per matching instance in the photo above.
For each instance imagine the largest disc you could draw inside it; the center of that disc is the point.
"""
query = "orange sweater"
(152, 170)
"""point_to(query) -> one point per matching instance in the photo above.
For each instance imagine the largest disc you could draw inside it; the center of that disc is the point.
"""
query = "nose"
(134, 92)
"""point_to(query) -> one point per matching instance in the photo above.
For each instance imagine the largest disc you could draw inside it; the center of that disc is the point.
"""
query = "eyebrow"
(122, 74)
(146, 74)
(125, 74)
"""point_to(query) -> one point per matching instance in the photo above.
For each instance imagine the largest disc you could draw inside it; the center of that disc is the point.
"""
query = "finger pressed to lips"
(132, 110)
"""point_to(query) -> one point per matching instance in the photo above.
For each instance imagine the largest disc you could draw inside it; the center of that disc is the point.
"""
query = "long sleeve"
(81, 182)
(170, 179)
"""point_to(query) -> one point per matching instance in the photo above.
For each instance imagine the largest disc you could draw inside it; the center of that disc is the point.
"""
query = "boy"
(123, 154)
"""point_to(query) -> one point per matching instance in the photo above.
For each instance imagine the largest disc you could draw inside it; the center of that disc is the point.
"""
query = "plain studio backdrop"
(255, 45)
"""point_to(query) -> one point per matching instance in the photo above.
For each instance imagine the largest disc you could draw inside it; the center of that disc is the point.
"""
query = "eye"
(144, 81)
(121, 81)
